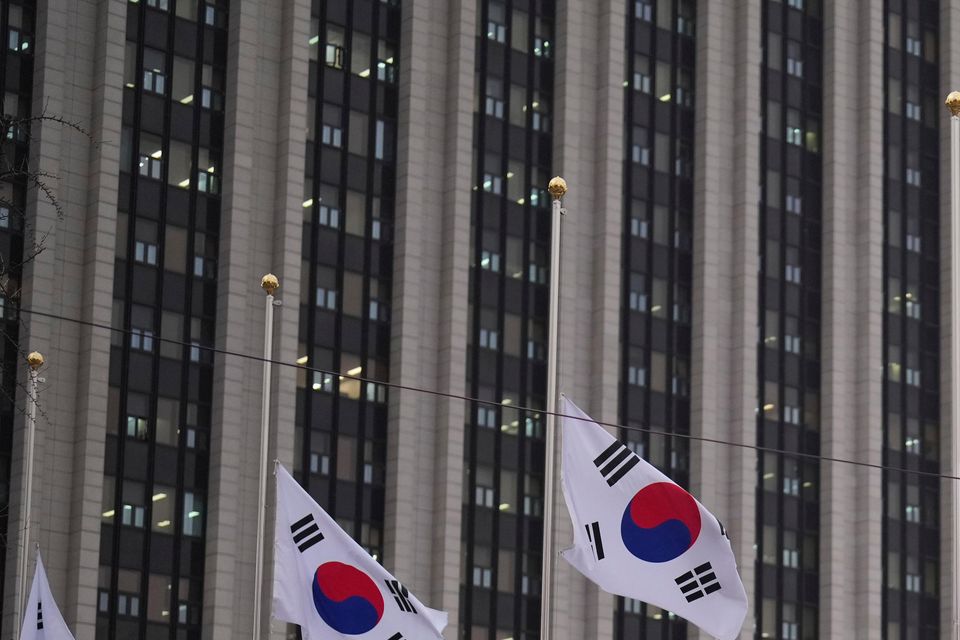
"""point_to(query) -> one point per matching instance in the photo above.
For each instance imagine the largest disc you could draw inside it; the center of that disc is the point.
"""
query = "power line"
(454, 396)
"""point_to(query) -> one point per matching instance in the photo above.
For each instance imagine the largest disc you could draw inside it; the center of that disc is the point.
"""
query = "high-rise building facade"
(753, 294)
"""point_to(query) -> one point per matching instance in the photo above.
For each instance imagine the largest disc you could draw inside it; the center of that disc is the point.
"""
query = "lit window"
(792, 273)
(322, 381)
(637, 376)
(158, 4)
(332, 136)
(489, 338)
(644, 11)
(320, 463)
(4, 217)
(326, 298)
(791, 558)
(192, 514)
(484, 496)
(482, 577)
(640, 155)
(141, 339)
(137, 427)
(794, 59)
(796, 4)
(912, 583)
(913, 377)
(154, 81)
(913, 243)
(638, 301)
(492, 183)
(914, 46)
(913, 111)
(329, 216)
(487, 417)
(913, 176)
(132, 516)
(490, 261)
(150, 165)
(794, 204)
(333, 56)
(145, 252)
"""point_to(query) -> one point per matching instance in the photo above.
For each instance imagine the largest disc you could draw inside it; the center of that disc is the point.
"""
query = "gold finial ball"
(35, 360)
(557, 187)
(270, 283)
(953, 102)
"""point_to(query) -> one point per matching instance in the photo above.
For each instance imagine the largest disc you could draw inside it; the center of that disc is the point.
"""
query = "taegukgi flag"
(42, 619)
(330, 586)
(638, 534)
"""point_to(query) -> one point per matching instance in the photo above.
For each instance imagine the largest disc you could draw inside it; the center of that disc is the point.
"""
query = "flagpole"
(953, 103)
(35, 361)
(269, 283)
(557, 189)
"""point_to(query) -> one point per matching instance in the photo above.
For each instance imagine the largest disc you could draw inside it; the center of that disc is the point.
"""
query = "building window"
(791, 344)
(320, 463)
(640, 154)
(637, 376)
(332, 136)
(132, 516)
(322, 381)
(913, 243)
(162, 5)
(912, 583)
(914, 46)
(150, 165)
(791, 415)
(207, 182)
(329, 216)
(912, 513)
(333, 56)
(638, 301)
(913, 177)
(154, 81)
(17, 40)
(137, 427)
(487, 417)
(482, 577)
(644, 10)
(375, 392)
(145, 253)
(913, 111)
(794, 204)
(791, 486)
(791, 558)
(912, 445)
(141, 339)
(796, 4)
(326, 298)
(913, 377)
(4, 217)
(492, 183)
(792, 273)
(497, 22)
(488, 338)
(490, 261)
(484, 496)
(794, 59)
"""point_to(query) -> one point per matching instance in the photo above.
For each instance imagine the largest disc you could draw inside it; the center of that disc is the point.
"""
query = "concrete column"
(725, 267)
(852, 339)
(78, 76)
(425, 433)
(261, 228)
(949, 81)
(589, 154)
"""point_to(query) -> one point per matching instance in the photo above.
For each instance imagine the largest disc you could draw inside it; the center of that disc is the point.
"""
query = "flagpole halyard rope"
(525, 409)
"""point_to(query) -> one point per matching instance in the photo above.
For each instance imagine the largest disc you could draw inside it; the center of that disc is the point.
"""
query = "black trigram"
(596, 542)
(39, 615)
(396, 636)
(401, 595)
(305, 532)
(615, 462)
(700, 582)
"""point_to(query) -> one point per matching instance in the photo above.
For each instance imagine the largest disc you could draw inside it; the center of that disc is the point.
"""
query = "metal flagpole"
(35, 360)
(557, 189)
(953, 103)
(270, 283)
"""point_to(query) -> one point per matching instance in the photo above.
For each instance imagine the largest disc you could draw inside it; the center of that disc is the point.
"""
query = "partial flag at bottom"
(42, 619)
(640, 535)
(330, 586)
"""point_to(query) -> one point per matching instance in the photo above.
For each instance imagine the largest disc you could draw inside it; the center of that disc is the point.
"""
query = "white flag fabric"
(640, 535)
(42, 619)
(330, 586)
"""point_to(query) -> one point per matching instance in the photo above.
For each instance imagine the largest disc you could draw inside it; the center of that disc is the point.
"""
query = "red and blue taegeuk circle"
(346, 598)
(660, 522)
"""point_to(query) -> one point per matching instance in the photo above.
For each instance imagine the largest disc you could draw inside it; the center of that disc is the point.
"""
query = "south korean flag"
(330, 586)
(638, 534)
